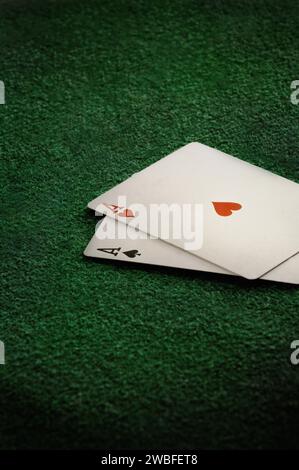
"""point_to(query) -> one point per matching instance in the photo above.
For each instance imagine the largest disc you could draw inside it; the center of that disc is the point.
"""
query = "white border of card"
(258, 241)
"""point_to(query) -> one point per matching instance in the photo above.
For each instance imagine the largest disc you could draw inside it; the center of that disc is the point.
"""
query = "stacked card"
(244, 220)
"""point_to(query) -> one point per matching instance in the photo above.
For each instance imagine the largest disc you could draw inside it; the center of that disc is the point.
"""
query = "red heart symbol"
(126, 213)
(226, 208)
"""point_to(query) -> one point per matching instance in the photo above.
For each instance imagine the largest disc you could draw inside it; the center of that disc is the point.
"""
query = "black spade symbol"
(132, 253)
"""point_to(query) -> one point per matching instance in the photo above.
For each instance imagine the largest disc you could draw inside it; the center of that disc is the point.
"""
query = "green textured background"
(101, 354)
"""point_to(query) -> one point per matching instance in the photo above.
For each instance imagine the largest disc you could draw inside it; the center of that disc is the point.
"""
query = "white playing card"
(285, 272)
(260, 232)
(157, 252)
(129, 245)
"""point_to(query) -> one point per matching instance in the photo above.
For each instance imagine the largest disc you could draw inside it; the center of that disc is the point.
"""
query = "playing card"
(285, 272)
(125, 244)
(250, 216)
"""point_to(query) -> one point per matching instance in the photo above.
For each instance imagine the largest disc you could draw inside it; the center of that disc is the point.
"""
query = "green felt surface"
(102, 354)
